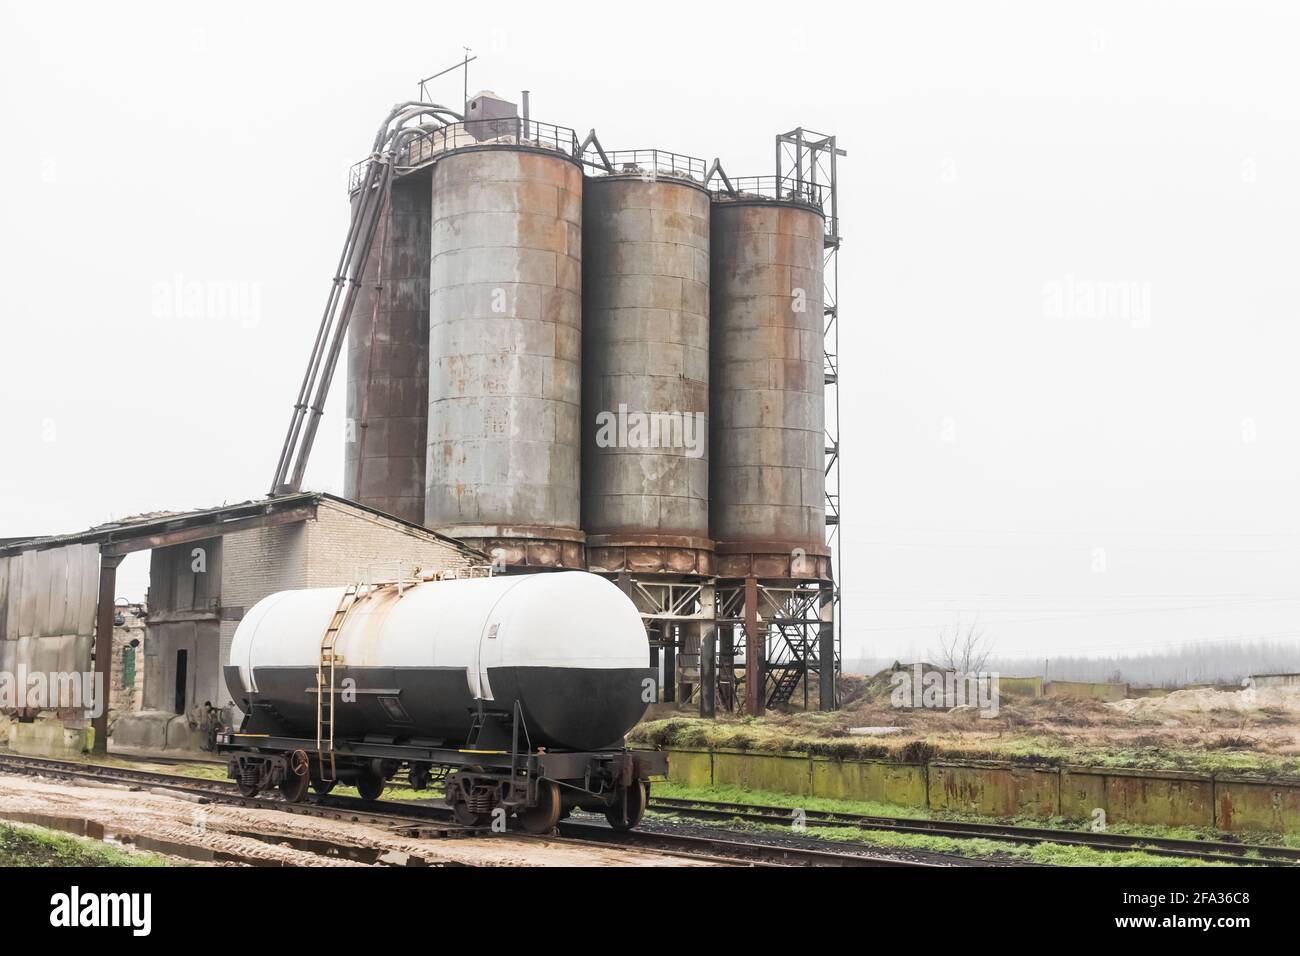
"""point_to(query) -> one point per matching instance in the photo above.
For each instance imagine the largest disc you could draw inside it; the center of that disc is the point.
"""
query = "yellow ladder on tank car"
(325, 683)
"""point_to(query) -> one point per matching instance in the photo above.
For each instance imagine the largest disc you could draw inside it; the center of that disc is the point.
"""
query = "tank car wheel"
(246, 791)
(624, 817)
(543, 817)
(322, 786)
(466, 817)
(297, 777)
(370, 785)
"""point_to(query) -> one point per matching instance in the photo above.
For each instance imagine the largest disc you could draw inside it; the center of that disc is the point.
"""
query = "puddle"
(200, 854)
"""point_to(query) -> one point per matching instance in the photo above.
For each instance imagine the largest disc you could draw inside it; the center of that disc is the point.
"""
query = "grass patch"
(22, 845)
(202, 771)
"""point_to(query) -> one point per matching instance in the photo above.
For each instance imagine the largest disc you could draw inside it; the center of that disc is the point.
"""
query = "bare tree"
(964, 648)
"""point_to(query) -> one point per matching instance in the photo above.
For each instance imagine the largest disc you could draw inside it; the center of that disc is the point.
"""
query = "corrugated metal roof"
(159, 522)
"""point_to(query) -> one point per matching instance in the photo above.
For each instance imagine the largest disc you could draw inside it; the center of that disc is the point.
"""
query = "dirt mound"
(1183, 704)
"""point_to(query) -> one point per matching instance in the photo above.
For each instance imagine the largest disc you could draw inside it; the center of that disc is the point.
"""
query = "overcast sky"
(1068, 291)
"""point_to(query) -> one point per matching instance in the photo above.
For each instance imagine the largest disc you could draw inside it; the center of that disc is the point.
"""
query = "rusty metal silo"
(388, 361)
(645, 461)
(767, 504)
(505, 345)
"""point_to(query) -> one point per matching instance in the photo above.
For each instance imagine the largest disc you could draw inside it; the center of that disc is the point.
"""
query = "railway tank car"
(515, 690)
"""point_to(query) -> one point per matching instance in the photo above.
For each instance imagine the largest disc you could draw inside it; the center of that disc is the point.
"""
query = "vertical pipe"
(685, 647)
(707, 633)
(668, 638)
(708, 670)
(727, 664)
(104, 648)
(755, 650)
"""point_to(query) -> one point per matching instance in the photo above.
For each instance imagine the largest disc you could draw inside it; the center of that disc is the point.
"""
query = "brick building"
(207, 569)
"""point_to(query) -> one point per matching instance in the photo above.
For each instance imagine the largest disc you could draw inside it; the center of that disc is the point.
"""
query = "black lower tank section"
(577, 708)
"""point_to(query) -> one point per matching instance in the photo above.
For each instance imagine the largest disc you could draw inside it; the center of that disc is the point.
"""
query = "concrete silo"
(505, 346)
(768, 438)
(388, 361)
(645, 478)
(767, 480)
(645, 504)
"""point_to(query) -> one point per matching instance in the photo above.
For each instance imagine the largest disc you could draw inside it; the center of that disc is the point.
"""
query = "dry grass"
(1048, 730)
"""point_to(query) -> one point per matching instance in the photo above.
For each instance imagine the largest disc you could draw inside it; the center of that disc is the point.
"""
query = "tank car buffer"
(514, 692)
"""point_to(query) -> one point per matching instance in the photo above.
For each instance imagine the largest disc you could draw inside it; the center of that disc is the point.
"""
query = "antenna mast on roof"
(462, 65)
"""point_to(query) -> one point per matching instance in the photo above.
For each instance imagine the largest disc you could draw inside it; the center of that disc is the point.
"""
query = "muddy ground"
(189, 832)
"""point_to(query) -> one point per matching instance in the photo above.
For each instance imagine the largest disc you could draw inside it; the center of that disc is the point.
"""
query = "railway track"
(1211, 851)
(423, 820)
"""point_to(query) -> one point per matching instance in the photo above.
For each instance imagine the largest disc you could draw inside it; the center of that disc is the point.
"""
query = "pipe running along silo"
(645, 457)
(505, 346)
(388, 360)
(768, 477)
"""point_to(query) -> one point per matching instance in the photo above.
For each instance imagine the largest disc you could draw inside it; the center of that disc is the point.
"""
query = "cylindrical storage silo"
(645, 469)
(388, 361)
(768, 479)
(505, 345)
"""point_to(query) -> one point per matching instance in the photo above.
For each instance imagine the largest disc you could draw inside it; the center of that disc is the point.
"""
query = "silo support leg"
(755, 651)
(826, 650)
(708, 670)
(669, 638)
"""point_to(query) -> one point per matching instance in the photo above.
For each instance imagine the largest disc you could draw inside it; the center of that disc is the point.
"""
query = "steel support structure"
(796, 634)
(678, 613)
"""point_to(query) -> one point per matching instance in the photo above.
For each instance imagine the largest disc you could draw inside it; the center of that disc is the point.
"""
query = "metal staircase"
(789, 665)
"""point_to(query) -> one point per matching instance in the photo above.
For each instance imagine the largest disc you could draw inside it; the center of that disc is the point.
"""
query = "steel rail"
(1214, 851)
(407, 817)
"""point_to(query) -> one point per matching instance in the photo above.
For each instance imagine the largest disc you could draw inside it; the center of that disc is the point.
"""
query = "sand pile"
(1188, 703)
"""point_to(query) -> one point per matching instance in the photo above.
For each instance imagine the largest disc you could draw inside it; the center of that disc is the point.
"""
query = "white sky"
(1002, 156)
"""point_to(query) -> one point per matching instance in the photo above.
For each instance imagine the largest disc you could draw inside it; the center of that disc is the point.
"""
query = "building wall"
(1276, 680)
(1086, 689)
(127, 675)
(344, 546)
(47, 611)
(185, 598)
(341, 546)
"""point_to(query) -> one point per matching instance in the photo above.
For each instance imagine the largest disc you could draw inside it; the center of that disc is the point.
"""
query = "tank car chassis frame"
(540, 785)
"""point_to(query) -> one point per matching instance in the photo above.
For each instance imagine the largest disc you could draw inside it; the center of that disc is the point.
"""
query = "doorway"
(182, 673)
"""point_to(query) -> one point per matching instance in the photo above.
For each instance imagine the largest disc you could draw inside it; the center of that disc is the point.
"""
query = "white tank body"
(569, 647)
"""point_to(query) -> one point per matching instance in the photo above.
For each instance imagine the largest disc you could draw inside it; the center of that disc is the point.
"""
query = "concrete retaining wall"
(1021, 686)
(1233, 803)
(1086, 690)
